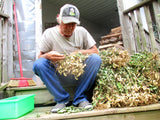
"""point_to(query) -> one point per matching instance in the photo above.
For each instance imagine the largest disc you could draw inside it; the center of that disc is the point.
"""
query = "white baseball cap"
(69, 13)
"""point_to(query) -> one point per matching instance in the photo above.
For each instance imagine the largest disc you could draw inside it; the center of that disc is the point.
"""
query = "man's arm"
(52, 56)
(93, 49)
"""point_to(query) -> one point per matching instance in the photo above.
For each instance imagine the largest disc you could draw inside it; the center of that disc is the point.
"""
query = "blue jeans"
(48, 74)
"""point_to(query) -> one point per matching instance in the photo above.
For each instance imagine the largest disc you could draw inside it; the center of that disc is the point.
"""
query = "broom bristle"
(13, 83)
(31, 83)
(21, 82)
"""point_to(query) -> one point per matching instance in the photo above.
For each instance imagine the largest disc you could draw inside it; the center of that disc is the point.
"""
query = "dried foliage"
(115, 57)
(72, 64)
(73, 109)
(125, 80)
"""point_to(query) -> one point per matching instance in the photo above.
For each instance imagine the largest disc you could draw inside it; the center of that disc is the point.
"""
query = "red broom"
(22, 81)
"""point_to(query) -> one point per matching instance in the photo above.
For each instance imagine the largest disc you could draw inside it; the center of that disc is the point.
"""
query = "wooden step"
(43, 113)
(42, 95)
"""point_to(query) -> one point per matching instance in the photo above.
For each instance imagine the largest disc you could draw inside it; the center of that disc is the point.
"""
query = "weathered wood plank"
(141, 30)
(5, 47)
(4, 86)
(2, 15)
(116, 30)
(27, 88)
(42, 113)
(137, 6)
(1, 31)
(126, 28)
(136, 32)
(132, 42)
(10, 21)
(111, 35)
(38, 32)
(156, 7)
(110, 45)
(42, 95)
(5, 51)
(2, 52)
(150, 28)
(38, 16)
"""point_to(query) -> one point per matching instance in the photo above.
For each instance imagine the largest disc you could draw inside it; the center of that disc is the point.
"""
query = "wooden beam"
(156, 7)
(112, 35)
(141, 30)
(40, 92)
(1, 51)
(150, 28)
(6, 43)
(110, 45)
(136, 33)
(5, 52)
(116, 30)
(10, 40)
(38, 33)
(4, 86)
(2, 15)
(104, 114)
(38, 20)
(126, 28)
(27, 88)
(137, 6)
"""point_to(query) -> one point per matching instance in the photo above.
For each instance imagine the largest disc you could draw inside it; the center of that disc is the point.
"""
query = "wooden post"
(141, 30)
(150, 28)
(5, 43)
(1, 31)
(10, 39)
(136, 33)
(156, 9)
(126, 29)
(38, 14)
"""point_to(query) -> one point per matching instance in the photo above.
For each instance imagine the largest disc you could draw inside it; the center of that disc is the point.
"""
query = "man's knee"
(96, 58)
(39, 63)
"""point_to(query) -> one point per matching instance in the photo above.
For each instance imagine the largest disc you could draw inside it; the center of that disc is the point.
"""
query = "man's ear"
(58, 19)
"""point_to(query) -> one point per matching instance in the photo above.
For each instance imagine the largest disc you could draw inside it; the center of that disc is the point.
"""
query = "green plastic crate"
(16, 106)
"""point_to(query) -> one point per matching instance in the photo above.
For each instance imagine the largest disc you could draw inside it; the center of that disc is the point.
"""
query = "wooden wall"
(6, 41)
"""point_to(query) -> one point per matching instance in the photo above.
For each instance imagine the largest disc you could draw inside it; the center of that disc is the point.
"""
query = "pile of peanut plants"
(72, 64)
(126, 80)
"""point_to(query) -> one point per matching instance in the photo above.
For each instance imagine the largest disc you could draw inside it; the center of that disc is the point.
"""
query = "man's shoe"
(85, 105)
(58, 107)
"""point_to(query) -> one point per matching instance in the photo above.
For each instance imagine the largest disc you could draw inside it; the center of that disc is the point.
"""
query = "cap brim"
(70, 20)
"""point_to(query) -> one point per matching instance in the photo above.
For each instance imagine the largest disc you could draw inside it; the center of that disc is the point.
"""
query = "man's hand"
(52, 56)
(55, 56)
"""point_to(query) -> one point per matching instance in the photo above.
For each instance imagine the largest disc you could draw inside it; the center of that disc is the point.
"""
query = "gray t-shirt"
(53, 40)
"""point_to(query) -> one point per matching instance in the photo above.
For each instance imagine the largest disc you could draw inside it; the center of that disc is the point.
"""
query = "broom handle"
(18, 43)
